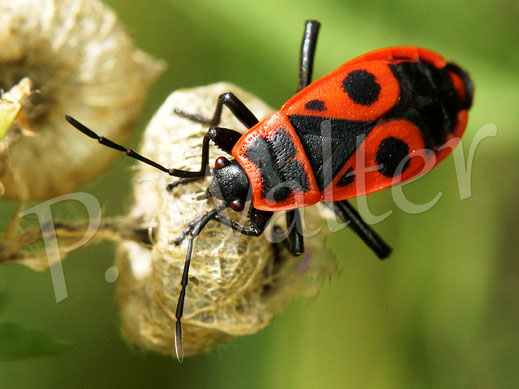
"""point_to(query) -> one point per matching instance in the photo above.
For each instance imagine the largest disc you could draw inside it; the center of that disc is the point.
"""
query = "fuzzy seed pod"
(80, 61)
(235, 283)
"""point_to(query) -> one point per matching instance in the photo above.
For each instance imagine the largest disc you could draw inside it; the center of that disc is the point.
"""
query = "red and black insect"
(389, 105)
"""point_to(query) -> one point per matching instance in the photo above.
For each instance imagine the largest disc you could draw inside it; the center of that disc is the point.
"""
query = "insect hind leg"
(350, 216)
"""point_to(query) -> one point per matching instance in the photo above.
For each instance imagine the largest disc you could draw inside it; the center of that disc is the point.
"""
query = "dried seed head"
(235, 285)
(80, 61)
(10, 108)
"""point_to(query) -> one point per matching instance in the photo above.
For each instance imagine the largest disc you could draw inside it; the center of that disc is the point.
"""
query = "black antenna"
(129, 152)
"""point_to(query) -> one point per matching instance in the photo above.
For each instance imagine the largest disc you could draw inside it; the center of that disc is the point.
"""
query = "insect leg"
(295, 241)
(197, 226)
(257, 222)
(224, 138)
(306, 57)
(348, 214)
(181, 181)
(235, 105)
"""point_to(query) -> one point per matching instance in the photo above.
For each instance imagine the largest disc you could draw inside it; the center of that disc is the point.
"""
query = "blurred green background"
(442, 312)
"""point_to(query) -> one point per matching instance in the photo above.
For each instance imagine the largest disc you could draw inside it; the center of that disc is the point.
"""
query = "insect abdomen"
(428, 99)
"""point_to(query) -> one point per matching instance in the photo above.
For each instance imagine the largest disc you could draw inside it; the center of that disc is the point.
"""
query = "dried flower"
(80, 61)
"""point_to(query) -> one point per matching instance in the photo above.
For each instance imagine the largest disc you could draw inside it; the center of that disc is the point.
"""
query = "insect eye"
(221, 162)
(237, 205)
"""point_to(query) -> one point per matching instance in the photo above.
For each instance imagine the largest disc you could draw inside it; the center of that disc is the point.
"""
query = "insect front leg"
(235, 105)
(223, 138)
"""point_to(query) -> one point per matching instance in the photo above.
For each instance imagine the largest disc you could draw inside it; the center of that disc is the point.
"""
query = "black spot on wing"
(315, 105)
(362, 87)
(347, 178)
(391, 152)
(279, 193)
